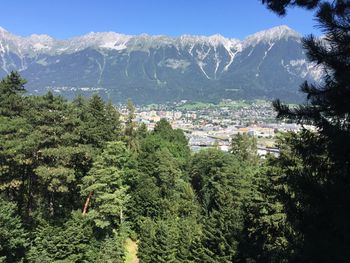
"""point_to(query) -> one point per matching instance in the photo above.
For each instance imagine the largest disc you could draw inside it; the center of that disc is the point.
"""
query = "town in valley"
(208, 125)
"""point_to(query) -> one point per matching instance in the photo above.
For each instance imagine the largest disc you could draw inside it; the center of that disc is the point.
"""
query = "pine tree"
(130, 128)
(106, 184)
(74, 241)
(112, 249)
(11, 90)
(165, 242)
(13, 237)
(223, 188)
(268, 235)
(112, 121)
(318, 200)
(245, 148)
(174, 139)
(142, 131)
(56, 157)
(159, 241)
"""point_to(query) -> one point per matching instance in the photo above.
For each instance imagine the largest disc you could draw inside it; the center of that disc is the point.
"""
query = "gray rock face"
(268, 64)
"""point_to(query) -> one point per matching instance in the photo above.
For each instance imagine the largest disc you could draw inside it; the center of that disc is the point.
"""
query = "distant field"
(196, 106)
(267, 142)
(234, 104)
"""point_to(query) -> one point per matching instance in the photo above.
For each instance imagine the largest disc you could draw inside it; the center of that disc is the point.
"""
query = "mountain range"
(151, 69)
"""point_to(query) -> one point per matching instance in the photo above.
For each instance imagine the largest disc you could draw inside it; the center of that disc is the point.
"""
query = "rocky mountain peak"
(161, 68)
(272, 34)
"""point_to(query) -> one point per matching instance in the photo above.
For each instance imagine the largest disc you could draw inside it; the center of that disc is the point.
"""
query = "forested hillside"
(76, 183)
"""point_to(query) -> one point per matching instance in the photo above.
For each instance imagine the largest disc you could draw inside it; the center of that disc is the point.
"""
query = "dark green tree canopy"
(316, 171)
(280, 6)
(327, 105)
(12, 84)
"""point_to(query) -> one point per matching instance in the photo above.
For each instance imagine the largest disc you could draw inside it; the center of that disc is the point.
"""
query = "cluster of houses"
(205, 129)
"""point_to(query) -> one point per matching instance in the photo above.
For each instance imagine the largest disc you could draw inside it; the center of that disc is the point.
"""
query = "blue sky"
(63, 19)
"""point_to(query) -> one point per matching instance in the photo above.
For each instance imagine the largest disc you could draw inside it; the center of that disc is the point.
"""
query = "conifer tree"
(73, 241)
(13, 237)
(146, 248)
(11, 89)
(268, 235)
(130, 127)
(165, 242)
(106, 184)
(112, 248)
(142, 131)
(318, 202)
(244, 147)
(223, 188)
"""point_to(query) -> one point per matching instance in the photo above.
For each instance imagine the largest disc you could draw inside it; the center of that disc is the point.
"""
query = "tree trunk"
(121, 215)
(86, 205)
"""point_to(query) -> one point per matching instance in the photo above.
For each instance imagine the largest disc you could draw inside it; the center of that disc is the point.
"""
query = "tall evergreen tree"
(318, 202)
(105, 183)
(223, 188)
(245, 147)
(130, 127)
(13, 237)
(73, 241)
(100, 122)
(268, 235)
(11, 89)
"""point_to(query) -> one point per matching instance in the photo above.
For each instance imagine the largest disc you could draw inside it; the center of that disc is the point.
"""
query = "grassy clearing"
(131, 251)
(267, 142)
(196, 106)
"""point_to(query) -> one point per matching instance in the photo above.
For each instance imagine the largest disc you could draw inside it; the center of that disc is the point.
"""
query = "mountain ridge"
(109, 36)
(161, 68)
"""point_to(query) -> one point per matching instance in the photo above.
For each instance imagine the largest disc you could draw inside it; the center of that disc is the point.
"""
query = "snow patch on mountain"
(303, 69)
(271, 35)
(201, 65)
(109, 40)
(315, 71)
(214, 55)
(116, 41)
